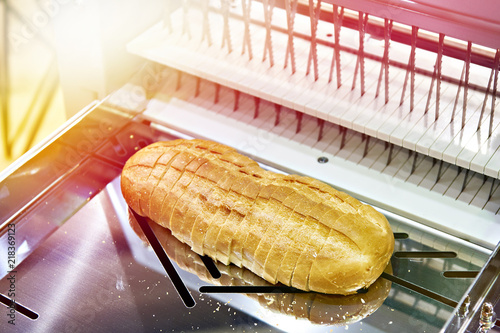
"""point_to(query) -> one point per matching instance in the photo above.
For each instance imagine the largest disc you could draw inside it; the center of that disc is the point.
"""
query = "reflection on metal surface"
(318, 308)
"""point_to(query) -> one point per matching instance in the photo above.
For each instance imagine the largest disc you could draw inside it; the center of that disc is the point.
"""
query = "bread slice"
(280, 241)
(300, 275)
(194, 210)
(257, 221)
(203, 219)
(226, 237)
(178, 208)
(185, 211)
(266, 211)
(245, 204)
(210, 240)
(295, 239)
(277, 216)
(227, 229)
(176, 189)
(134, 177)
(268, 239)
(157, 175)
(214, 200)
(160, 192)
(226, 223)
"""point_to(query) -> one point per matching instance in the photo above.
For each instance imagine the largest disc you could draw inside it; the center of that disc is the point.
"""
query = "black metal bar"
(165, 261)
(420, 290)
(250, 289)
(460, 274)
(18, 307)
(400, 235)
(211, 267)
(424, 254)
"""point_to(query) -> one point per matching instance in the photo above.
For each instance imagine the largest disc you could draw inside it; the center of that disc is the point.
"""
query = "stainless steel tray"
(80, 266)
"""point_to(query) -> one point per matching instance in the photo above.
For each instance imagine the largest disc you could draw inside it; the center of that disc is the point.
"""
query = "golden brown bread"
(317, 308)
(285, 228)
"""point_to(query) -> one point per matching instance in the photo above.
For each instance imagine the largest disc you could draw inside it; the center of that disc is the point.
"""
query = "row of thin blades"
(391, 150)
(316, 8)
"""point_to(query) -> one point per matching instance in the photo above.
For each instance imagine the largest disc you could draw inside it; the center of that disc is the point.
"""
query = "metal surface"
(483, 298)
(84, 277)
(73, 260)
(80, 266)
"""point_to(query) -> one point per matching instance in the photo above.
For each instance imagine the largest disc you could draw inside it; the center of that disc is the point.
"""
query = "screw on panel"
(487, 319)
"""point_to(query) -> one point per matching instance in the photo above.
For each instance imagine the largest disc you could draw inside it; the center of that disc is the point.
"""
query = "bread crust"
(285, 228)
